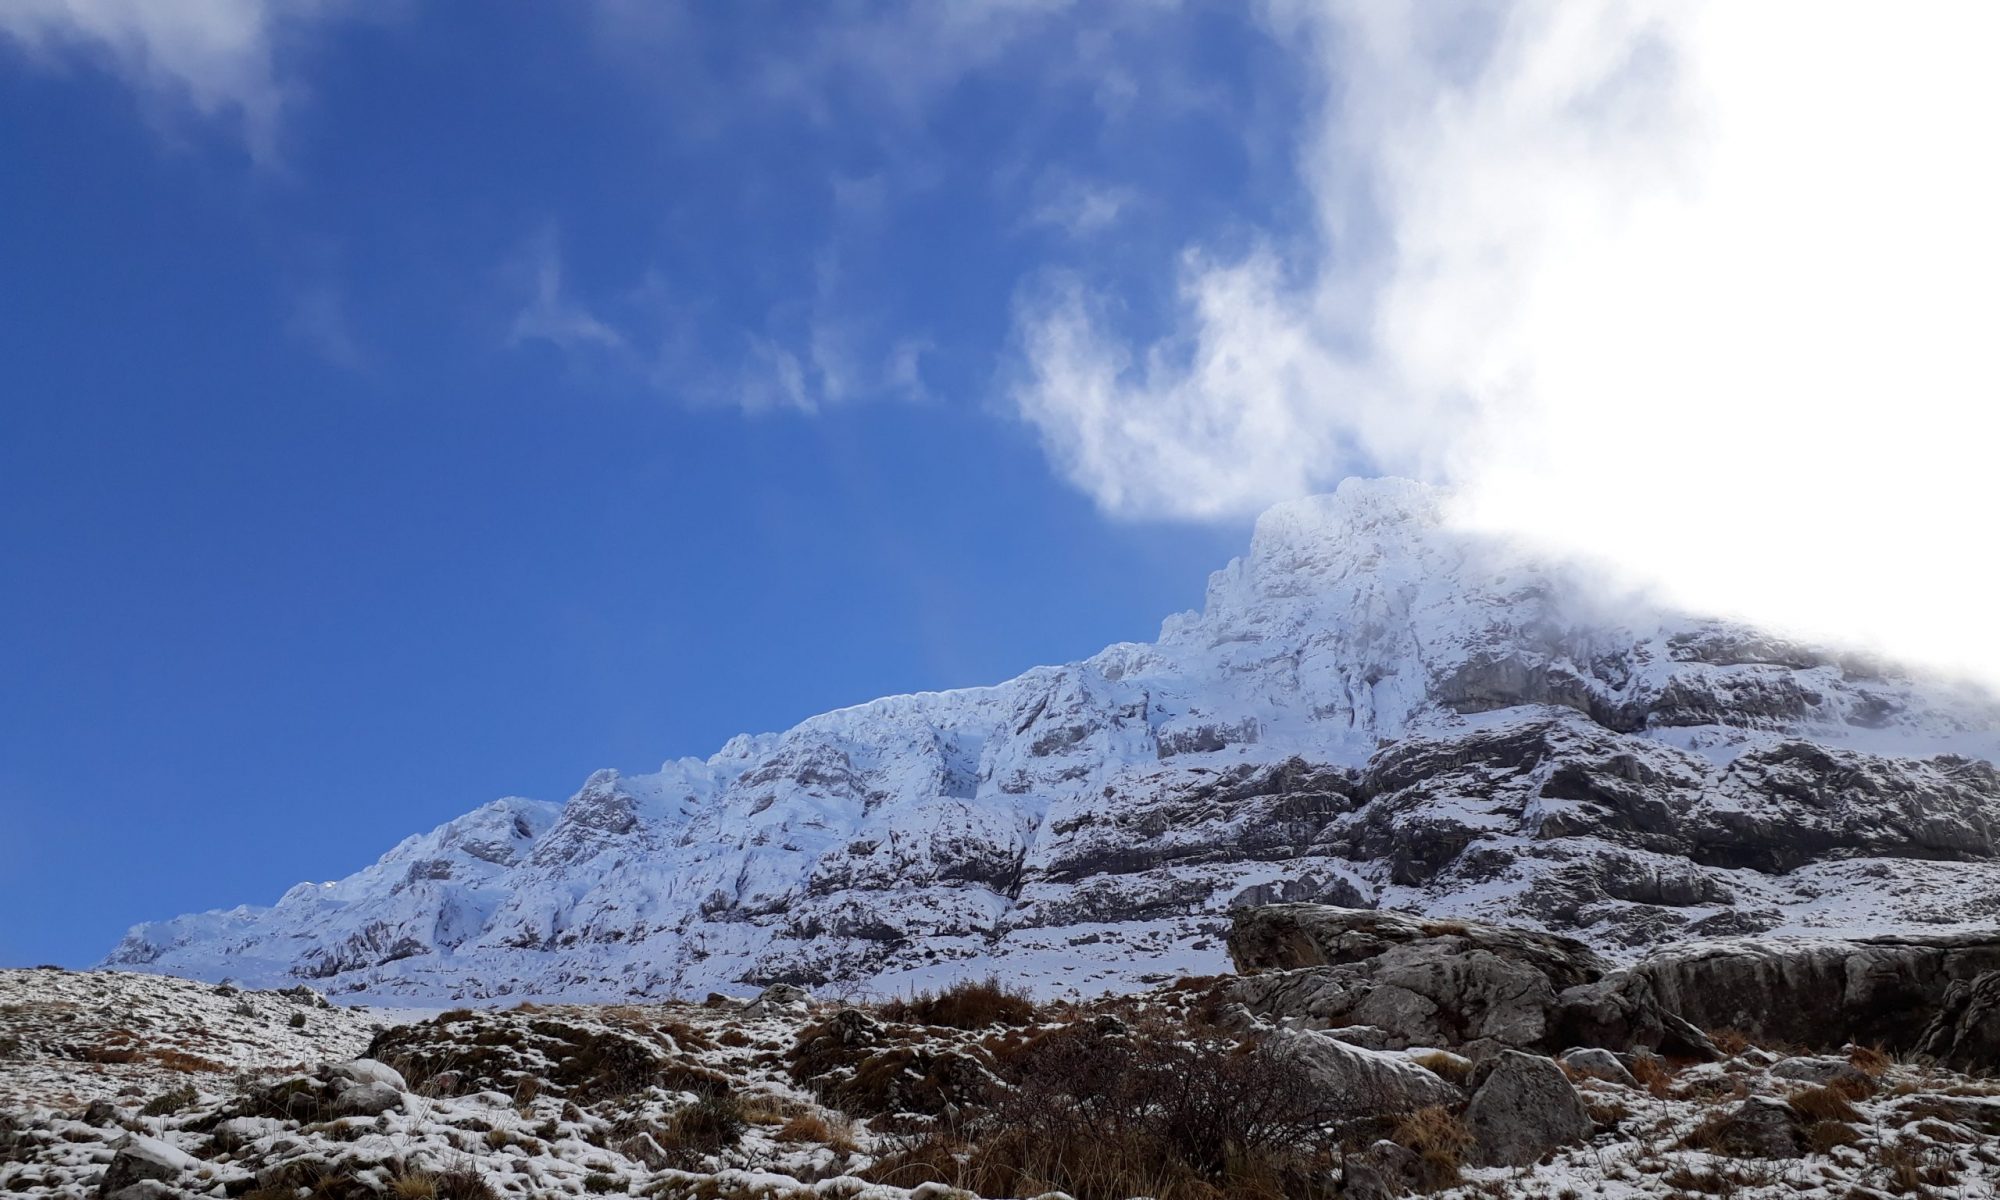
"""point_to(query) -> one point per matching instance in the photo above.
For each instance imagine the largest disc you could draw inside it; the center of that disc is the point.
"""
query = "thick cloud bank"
(1705, 290)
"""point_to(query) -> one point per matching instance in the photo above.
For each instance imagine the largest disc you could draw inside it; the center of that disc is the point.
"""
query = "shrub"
(968, 1004)
(1099, 1110)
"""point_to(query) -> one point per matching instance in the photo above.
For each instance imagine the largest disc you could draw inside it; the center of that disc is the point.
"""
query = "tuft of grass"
(1447, 1066)
(1873, 1061)
(1440, 1141)
(1824, 1104)
(836, 1135)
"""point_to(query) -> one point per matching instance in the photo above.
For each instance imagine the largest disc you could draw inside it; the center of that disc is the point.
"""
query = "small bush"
(1653, 1074)
(1102, 1111)
(968, 1004)
(298, 1020)
(598, 1184)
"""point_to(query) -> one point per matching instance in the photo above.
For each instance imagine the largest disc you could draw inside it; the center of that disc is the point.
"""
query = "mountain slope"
(1370, 708)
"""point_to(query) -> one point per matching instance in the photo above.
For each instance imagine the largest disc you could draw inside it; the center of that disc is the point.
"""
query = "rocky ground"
(1354, 1053)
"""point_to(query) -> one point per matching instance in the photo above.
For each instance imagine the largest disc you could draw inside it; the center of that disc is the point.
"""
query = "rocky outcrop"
(1964, 1032)
(1821, 992)
(1415, 981)
(1422, 982)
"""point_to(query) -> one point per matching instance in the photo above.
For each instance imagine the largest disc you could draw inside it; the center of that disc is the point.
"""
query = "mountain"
(1371, 709)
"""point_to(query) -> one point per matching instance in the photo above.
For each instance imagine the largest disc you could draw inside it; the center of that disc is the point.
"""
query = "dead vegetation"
(969, 1004)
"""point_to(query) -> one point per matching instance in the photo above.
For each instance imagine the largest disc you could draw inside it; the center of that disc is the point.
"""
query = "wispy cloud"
(1078, 207)
(319, 320)
(1669, 283)
(550, 314)
(216, 58)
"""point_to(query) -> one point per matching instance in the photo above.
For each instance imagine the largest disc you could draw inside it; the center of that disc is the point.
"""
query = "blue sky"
(411, 410)
(404, 404)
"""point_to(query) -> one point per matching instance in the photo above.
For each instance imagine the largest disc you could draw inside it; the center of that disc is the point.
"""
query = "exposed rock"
(1760, 1127)
(1823, 1071)
(779, 998)
(1285, 936)
(1598, 1063)
(1445, 983)
(1634, 778)
(1965, 1031)
(1819, 993)
(366, 1099)
(1372, 1082)
(1384, 1171)
(1523, 1107)
(141, 1159)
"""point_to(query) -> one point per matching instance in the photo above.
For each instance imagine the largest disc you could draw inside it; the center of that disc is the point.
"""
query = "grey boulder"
(1523, 1108)
(140, 1161)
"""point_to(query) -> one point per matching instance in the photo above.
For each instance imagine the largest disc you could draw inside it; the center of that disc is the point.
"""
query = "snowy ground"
(549, 1101)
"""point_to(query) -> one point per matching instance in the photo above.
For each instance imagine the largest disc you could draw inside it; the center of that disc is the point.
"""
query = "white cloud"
(550, 313)
(1707, 289)
(1080, 208)
(217, 57)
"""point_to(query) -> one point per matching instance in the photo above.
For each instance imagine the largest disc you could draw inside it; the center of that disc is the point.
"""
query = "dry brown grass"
(1654, 1075)
(1873, 1061)
(1825, 1136)
(835, 1134)
(1730, 1041)
(1440, 1141)
(1447, 1066)
(191, 1064)
(1824, 1104)
(1909, 1167)
(968, 1004)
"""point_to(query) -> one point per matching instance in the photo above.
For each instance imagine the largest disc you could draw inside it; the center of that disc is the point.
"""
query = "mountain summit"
(1370, 709)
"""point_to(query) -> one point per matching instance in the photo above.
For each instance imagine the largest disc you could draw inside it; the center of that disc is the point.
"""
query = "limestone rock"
(779, 998)
(1760, 1127)
(1375, 1083)
(1965, 1031)
(1523, 1107)
(1820, 992)
(141, 1159)
(1598, 1063)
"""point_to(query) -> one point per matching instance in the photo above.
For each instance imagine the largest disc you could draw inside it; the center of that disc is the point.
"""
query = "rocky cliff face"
(1370, 710)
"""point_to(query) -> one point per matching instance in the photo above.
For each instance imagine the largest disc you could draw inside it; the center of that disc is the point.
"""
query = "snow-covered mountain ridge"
(1370, 708)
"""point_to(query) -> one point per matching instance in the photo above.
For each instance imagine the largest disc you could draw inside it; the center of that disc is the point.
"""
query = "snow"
(923, 837)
